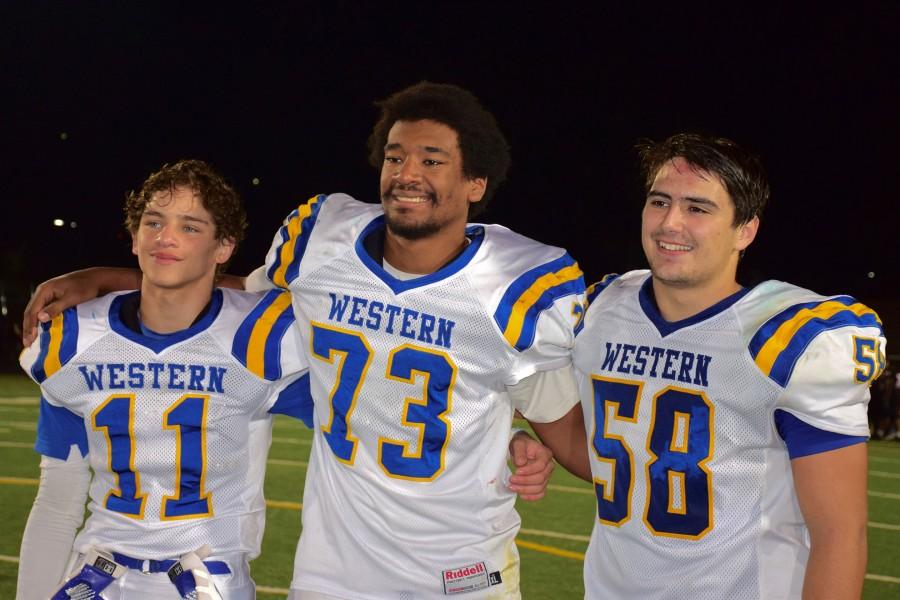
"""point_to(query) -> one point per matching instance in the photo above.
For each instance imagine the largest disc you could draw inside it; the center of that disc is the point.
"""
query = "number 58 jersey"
(406, 491)
(692, 426)
(176, 427)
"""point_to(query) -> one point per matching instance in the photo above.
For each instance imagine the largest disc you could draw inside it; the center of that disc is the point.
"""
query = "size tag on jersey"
(468, 578)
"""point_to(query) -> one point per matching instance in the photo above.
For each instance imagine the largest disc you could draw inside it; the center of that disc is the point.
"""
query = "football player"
(727, 425)
(166, 393)
(426, 334)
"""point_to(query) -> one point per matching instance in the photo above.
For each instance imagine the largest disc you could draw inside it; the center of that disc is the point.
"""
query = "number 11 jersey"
(177, 426)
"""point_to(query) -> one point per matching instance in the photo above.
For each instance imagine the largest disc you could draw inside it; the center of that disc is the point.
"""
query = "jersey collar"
(123, 310)
(370, 249)
(648, 304)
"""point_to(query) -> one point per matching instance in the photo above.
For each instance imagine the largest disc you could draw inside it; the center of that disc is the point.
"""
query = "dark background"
(95, 96)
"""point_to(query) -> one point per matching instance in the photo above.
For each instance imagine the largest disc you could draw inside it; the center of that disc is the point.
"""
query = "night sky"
(285, 94)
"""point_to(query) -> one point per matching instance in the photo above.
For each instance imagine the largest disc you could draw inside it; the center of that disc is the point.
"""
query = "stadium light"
(58, 222)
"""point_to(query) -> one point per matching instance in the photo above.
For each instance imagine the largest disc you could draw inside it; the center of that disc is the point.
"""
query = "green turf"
(566, 511)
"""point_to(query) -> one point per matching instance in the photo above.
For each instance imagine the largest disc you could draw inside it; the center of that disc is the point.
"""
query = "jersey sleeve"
(295, 400)
(257, 281)
(539, 314)
(55, 346)
(286, 254)
(267, 342)
(545, 396)
(824, 354)
(58, 430)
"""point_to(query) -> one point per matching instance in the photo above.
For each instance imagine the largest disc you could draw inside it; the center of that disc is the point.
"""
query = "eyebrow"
(191, 218)
(428, 149)
(693, 199)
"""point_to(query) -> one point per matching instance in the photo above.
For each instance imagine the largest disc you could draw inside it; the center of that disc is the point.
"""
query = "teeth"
(679, 247)
(412, 199)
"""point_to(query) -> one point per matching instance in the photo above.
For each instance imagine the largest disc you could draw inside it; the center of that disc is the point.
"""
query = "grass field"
(552, 541)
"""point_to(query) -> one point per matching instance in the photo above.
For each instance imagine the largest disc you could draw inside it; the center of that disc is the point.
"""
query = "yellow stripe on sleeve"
(773, 347)
(287, 250)
(256, 347)
(530, 297)
(51, 361)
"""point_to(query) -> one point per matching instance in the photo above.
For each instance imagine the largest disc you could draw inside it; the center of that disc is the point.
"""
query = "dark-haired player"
(727, 424)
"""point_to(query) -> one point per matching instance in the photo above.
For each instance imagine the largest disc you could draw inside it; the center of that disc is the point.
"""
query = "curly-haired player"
(162, 393)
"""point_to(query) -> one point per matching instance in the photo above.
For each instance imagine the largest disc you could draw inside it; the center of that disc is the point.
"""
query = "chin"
(412, 231)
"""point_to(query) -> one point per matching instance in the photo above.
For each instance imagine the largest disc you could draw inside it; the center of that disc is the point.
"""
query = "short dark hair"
(220, 199)
(484, 150)
(739, 170)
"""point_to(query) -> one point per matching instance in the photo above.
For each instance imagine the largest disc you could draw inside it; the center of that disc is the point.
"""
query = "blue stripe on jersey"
(780, 342)
(58, 342)
(531, 294)
(295, 401)
(57, 429)
(802, 439)
(257, 342)
(294, 236)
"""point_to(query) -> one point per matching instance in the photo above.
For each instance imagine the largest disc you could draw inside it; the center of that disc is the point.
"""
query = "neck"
(167, 311)
(426, 255)
(677, 304)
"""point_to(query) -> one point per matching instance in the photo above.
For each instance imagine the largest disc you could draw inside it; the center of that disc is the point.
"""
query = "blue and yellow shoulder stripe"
(257, 342)
(532, 293)
(58, 342)
(781, 340)
(595, 289)
(294, 236)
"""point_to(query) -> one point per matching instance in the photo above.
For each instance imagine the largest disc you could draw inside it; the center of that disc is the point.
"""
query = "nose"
(673, 220)
(407, 171)
(165, 236)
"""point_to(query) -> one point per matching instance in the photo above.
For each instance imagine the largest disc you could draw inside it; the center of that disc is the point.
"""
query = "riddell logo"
(468, 578)
(464, 572)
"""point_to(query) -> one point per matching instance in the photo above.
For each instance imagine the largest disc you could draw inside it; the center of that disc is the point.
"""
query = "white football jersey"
(166, 420)
(692, 426)
(406, 491)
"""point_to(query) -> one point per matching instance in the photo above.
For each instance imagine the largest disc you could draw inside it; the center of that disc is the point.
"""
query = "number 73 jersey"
(176, 427)
(407, 476)
(692, 425)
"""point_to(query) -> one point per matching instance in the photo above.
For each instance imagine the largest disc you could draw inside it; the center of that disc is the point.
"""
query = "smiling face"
(423, 190)
(688, 234)
(176, 244)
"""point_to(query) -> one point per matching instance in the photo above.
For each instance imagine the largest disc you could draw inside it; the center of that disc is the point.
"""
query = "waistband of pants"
(215, 567)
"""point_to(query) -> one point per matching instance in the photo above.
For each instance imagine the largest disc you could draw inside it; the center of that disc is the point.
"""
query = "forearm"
(111, 279)
(837, 565)
(567, 440)
(831, 492)
(56, 515)
(571, 454)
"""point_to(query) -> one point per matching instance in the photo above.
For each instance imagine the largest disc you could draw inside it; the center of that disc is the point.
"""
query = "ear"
(224, 251)
(746, 234)
(476, 189)
(134, 248)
